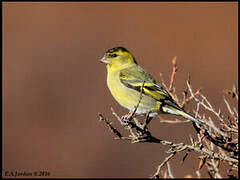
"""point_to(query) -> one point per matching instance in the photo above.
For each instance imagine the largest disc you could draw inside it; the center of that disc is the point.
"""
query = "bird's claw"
(124, 120)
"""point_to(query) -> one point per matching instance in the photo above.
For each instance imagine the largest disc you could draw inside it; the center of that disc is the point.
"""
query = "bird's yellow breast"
(126, 96)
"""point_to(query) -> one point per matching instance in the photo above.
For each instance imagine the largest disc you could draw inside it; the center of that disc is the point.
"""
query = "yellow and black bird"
(126, 81)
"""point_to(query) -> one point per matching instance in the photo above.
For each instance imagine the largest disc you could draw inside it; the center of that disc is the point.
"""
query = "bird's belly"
(129, 98)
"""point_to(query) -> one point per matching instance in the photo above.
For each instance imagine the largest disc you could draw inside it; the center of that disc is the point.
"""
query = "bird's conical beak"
(104, 60)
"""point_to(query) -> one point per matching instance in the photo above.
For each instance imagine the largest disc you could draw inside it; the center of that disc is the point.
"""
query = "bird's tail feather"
(182, 113)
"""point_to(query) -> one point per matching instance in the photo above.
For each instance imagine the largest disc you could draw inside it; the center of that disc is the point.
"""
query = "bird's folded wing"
(135, 76)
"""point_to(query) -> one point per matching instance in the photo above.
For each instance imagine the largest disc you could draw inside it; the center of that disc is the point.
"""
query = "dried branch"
(156, 175)
(215, 144)
(175, 68)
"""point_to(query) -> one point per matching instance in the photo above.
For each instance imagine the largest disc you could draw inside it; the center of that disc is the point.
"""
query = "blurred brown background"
(54, 86)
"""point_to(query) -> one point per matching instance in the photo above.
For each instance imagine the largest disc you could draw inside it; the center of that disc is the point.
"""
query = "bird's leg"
(147, 120)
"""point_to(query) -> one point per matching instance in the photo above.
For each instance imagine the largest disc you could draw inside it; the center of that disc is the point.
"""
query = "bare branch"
(215, 143)
(157, 173)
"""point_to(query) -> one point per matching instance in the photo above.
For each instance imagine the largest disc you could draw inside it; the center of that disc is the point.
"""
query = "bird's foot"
(125, 120)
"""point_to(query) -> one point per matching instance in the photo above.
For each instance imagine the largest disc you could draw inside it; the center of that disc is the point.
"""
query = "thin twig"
(156, 175)
(175, 68)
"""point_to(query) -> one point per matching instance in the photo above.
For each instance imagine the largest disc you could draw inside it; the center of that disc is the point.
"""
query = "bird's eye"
(113, 55)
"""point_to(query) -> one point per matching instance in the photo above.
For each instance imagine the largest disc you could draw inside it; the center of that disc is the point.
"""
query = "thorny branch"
(215, 144)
